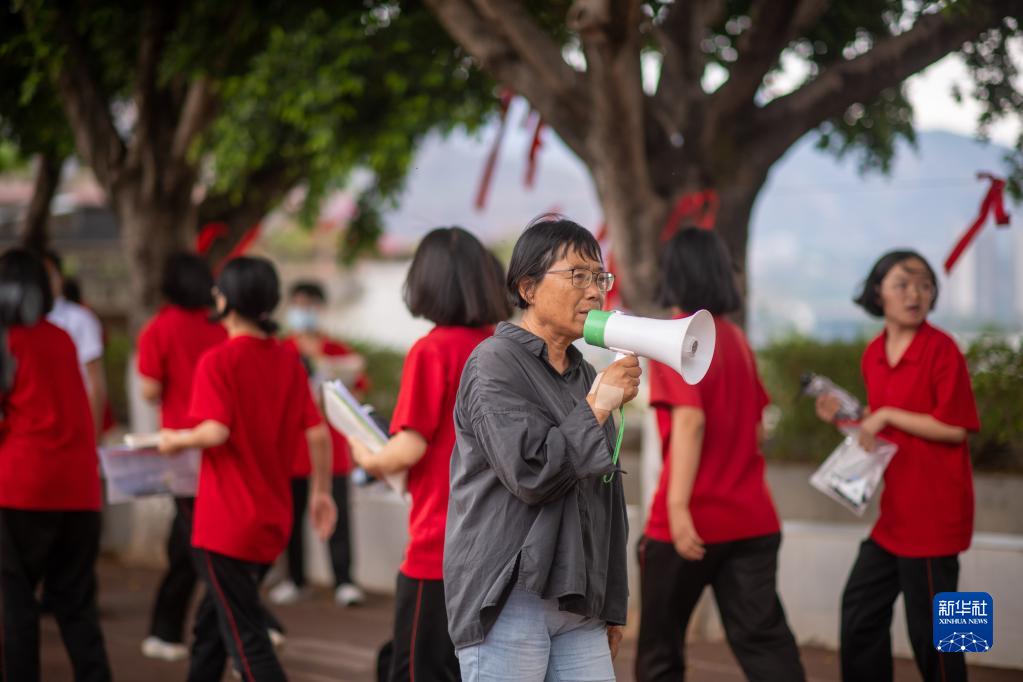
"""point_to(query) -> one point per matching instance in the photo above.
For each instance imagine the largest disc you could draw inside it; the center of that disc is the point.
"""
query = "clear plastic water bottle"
(817, 384)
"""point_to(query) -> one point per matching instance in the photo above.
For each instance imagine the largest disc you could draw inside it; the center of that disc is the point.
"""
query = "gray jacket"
(528, 505)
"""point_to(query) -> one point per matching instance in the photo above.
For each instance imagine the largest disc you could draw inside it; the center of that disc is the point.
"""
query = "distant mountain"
(816, 229)
(819, 226)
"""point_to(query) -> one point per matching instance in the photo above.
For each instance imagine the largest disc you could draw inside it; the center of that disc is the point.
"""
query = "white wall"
(815, 561)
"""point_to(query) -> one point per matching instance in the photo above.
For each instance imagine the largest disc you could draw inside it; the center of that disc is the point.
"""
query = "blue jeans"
(532, 641)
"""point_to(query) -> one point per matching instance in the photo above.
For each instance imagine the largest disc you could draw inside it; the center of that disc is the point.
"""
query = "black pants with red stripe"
(231, 621)
(742, 574)
(877, 578)
(422, 647)
(59, 550)
(175, 593)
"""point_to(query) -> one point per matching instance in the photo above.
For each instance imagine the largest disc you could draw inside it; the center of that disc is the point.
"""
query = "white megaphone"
(686, 345)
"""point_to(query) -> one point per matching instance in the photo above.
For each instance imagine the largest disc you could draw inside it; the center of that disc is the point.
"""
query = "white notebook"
(346, 414)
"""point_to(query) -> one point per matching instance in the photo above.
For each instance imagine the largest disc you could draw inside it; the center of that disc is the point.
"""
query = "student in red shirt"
(324, 359)
(251, 400)
(458, 285)
(712, 521)
(49, 484)
(919, 397)
(169, 348)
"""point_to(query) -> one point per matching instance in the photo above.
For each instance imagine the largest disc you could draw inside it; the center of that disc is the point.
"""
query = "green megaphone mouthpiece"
(596, 323)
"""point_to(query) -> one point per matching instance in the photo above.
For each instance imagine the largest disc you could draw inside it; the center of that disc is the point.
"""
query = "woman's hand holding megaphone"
(615, 386)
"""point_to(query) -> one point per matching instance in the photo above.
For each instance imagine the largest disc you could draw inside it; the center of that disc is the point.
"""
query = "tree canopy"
(244, 102)
(663, 99)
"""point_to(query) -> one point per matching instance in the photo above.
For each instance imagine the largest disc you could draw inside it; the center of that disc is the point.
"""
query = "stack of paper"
(351, 418)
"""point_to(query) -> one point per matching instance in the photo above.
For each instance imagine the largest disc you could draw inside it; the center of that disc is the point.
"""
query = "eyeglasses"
(582, 278)
(923, 289)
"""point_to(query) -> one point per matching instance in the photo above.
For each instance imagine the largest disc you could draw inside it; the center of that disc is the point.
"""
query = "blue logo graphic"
(964, 622)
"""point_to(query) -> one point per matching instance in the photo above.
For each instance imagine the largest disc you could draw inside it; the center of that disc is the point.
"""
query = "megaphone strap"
(618, 443)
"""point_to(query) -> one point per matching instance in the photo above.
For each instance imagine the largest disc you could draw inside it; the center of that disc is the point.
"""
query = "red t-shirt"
(47, 440)
(259, 390)
(342, 462)
(927, 503)
(426, 404)
(730, 498)
(169, 349)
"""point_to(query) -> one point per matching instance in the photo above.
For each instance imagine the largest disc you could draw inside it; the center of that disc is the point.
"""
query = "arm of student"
(208, 434)
(97, 393)
(917, 424)
(151, 390)
(322, 510)
(402, 452)
(687, 425)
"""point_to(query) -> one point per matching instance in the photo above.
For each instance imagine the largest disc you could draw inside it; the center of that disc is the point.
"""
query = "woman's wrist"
(602, 415)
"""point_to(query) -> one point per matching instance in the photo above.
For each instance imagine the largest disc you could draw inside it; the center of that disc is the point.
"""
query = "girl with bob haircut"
(712, 520)
(919, 397)
(251, 403)
(457, 284)
(49, 484)
(169, 348)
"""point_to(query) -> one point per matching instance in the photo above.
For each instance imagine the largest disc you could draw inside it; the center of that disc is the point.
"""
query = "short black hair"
(546, 239)
(697, 273)
(309, 289)
(252, 290)
(186, 281)
(25, 295)
(455, 281)
(72, 290)
(869, 297)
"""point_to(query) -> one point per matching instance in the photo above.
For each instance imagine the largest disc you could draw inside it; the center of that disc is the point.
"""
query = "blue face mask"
(302, 319)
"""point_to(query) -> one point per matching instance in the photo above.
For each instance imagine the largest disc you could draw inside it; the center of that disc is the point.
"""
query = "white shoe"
(285, 592)
(154, 647)
(348, 594)
(277, 637)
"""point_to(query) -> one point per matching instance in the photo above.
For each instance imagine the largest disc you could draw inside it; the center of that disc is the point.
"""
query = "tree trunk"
(152, 228)
(634, 226)
(733, 222)
(35, 233)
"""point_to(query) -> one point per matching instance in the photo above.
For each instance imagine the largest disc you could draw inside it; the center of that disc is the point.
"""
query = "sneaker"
(348, 594)
(154, 647)
(277, 637)
(285, 592)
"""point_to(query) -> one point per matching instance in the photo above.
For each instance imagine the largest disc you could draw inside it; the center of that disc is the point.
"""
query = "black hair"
(72, 290)
(25, 295)
(869, 297)
(54, 259)
(546, 239)
(187, 281)
(252, 290)
(309, 289)
(455, 281)
(696, 273)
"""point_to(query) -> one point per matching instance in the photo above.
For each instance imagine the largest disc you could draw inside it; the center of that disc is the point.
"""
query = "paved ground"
(340, 645)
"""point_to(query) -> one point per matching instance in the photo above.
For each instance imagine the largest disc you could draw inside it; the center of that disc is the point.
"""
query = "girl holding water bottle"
(919, 397)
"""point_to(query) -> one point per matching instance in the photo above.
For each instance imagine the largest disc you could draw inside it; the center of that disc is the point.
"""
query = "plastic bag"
(131, 473)
(850, 475)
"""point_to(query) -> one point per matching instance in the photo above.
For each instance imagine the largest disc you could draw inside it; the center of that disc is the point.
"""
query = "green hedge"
(384, 368)
(997, 373)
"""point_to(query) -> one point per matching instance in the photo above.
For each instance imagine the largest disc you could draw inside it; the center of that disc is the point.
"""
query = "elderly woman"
(534, 555)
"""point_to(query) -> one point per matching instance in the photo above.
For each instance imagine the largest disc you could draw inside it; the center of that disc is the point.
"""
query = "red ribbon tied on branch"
(488, 169)
(993, 201)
